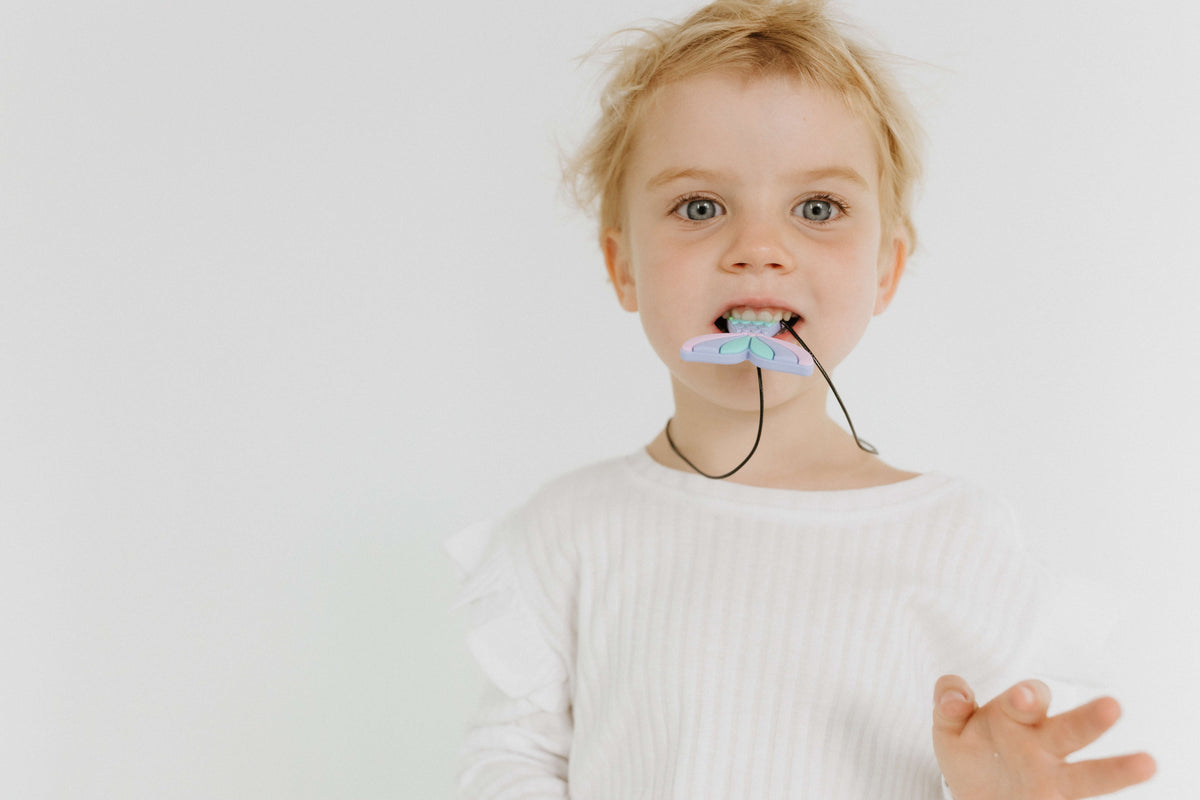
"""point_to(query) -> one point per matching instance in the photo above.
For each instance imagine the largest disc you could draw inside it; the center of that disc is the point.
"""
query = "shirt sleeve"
(1065, 628)
(1070, 653)
(519, 740)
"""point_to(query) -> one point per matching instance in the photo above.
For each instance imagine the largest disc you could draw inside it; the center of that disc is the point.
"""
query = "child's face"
(763, 193)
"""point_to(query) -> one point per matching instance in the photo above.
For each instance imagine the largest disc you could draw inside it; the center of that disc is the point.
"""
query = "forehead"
(757, 127)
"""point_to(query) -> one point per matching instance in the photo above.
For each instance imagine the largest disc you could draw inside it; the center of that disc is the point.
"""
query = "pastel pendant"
(749, 341)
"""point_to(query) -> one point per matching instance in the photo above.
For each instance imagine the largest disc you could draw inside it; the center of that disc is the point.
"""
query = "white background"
(289, 294)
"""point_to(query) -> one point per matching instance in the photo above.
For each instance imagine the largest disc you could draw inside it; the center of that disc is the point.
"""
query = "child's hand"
(1010, 750)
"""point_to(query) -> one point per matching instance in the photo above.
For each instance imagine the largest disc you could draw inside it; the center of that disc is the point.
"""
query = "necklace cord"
(863, 444)
(757, 438)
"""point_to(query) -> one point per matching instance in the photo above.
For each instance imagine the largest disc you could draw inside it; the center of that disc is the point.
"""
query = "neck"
(801, 447)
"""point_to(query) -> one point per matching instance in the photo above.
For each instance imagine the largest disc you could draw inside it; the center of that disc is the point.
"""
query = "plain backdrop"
(289, 293)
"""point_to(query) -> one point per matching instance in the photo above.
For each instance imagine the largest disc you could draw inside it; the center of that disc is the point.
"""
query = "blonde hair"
(794, 38)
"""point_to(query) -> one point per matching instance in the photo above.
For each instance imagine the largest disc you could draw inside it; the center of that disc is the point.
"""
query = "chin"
(734, 387)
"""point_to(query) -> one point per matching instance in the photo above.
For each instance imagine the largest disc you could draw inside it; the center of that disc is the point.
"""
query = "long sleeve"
(514, 749)
(1068, 650)
(1070, 654)
(520, 737)
(1065, 638)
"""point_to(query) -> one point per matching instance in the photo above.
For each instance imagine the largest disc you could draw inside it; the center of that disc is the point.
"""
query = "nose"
(758, 244)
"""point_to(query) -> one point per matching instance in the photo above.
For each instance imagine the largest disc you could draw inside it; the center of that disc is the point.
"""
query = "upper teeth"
(759, 314)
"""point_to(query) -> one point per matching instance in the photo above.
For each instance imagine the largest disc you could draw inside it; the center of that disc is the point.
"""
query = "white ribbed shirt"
(650, 634)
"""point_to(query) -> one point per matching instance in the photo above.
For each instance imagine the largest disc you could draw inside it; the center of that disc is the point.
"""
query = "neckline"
(702, 489)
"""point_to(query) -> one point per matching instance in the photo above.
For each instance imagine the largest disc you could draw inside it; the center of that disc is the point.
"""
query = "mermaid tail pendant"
(749, 341)
(752, 341)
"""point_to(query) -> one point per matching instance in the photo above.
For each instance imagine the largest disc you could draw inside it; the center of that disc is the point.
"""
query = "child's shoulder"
(557, 505)
(593, 482)
(982, 500)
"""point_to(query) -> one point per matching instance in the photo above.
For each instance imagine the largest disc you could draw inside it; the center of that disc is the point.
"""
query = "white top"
(650, 633)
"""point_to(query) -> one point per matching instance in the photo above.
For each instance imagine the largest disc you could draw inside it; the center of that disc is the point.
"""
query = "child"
(649, 632)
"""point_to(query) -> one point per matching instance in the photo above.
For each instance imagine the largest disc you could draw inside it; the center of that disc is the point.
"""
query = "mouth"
(766, 321)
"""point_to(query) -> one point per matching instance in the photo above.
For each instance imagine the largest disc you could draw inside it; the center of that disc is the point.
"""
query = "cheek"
(850, 275)
(846, 295)
(665, 277)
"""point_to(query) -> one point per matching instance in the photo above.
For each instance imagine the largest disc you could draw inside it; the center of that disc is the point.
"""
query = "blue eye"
(699, 209)
(819, 210)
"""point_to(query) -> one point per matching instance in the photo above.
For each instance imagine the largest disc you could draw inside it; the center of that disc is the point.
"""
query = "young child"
(796, 629)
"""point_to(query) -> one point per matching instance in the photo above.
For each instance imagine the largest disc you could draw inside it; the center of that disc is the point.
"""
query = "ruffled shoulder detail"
(504, 636)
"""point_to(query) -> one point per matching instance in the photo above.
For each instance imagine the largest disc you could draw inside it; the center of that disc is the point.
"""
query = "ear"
(892, 258)
(616, 258)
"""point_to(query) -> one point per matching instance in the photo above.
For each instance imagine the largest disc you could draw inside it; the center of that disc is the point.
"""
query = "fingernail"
(951, 696)
(1024, 696)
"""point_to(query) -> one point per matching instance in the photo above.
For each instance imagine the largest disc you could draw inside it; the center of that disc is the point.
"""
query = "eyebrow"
(674, 174)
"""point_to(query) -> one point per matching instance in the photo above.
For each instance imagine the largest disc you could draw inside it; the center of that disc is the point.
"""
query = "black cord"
(757, 437)
(862, 443)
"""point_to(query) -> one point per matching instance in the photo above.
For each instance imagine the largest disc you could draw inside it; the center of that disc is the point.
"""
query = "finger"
(953, 704)
(1026, 702)
(1106, 775)
(1079, 727)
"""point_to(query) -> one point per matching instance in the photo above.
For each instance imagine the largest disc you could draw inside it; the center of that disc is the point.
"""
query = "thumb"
(953, 704)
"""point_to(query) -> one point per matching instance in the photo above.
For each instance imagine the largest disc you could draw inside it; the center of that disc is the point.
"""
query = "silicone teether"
(749, 341)
(753, 341)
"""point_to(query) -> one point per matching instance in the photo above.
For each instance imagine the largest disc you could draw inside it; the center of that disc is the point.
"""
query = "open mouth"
(763, 321)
